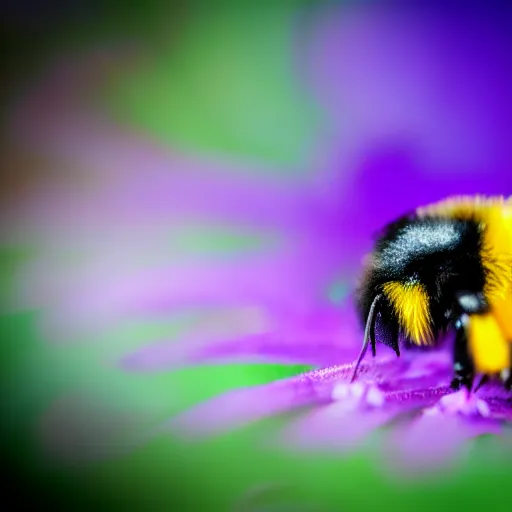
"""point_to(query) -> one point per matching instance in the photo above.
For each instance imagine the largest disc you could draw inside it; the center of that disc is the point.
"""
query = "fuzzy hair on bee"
(445, 266)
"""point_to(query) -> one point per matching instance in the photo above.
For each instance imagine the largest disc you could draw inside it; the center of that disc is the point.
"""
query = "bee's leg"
(506, 378)
(394, 338)
(462, 364)
(483, 381)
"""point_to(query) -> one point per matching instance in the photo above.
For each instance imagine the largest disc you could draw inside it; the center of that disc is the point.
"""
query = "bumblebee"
(446, 266)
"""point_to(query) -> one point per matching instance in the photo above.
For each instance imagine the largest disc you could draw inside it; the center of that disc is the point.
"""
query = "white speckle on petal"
(340, 391)
(483, 408)
(375, 397)
(358, 394)
(431, 411)
(461, 402)
(358, 389)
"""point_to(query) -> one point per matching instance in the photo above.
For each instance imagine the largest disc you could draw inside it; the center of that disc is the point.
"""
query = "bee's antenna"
(366, 339)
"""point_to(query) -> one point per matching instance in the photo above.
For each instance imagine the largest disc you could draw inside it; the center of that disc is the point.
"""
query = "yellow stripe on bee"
(494, 214)
(488, 347)
(465, 207)
(497, 254)
(411, 305)
(501, 308)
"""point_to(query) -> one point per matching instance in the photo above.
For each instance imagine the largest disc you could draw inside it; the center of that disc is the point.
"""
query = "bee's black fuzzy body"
(438, 268)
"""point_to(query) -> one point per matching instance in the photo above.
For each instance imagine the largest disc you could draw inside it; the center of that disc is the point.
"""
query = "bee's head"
(419, 268)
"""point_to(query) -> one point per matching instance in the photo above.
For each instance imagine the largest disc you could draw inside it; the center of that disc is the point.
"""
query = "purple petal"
(500, 408)
(175, 188)
(427, 370)
(81, 299)
(243, 406)
(448, 420)
(341, 425)
(320, 338)
(159, 187)
(431, 442)
(357, 410)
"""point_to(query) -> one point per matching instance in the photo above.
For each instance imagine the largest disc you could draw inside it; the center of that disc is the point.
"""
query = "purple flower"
(430, 421)
(407, 127)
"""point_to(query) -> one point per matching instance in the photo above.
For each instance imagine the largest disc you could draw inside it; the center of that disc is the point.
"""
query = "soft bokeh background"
(186, 171)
